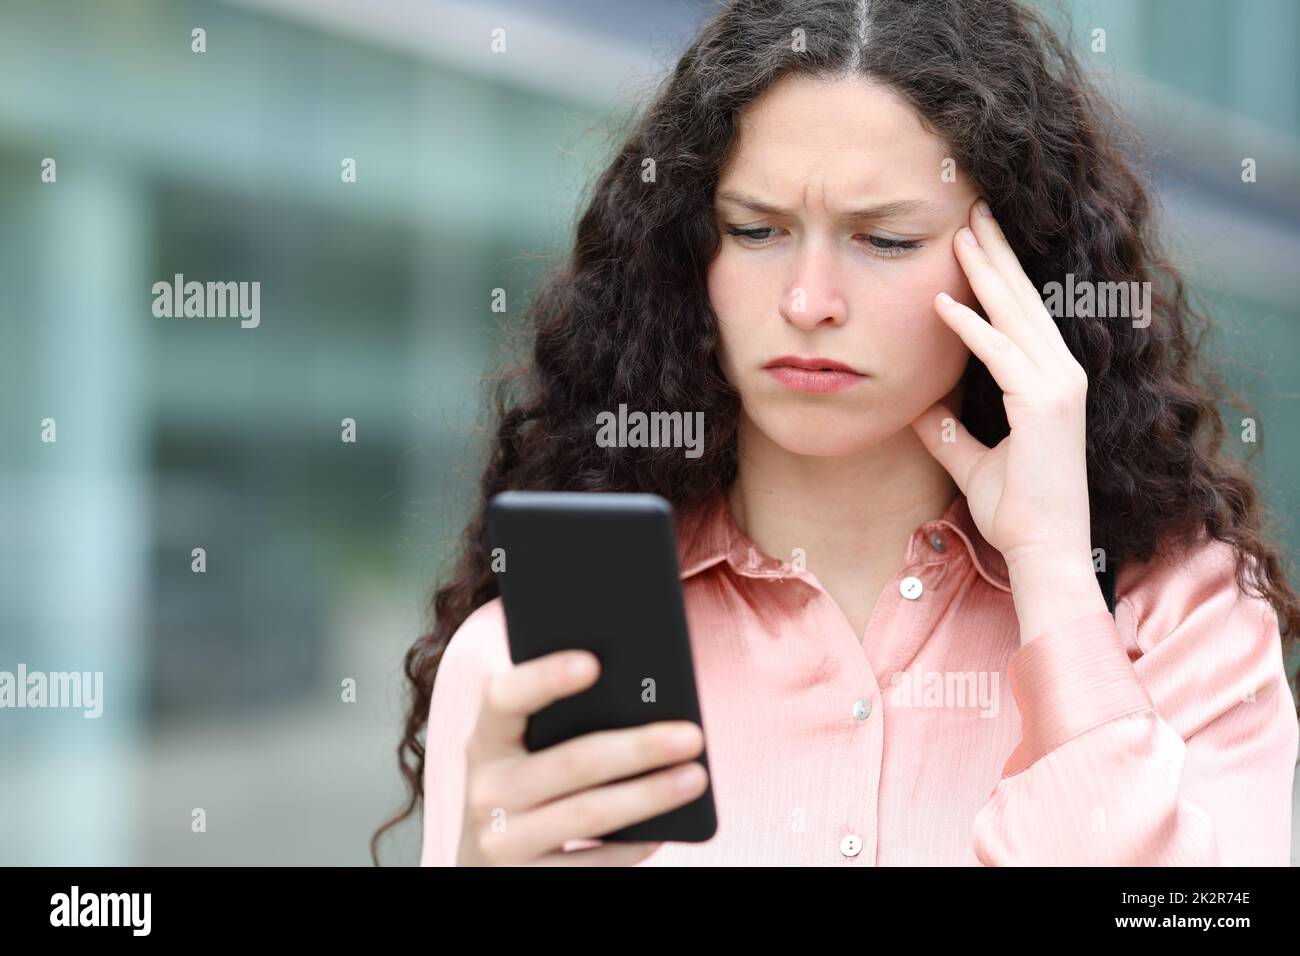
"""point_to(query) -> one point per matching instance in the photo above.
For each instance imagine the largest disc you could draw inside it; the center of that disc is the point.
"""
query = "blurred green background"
(223, 688)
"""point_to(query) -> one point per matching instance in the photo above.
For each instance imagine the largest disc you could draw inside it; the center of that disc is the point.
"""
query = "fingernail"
(684, 779)
(684, 739)
(982, 208)
(968, 237)
(944, 297)
(579, 666)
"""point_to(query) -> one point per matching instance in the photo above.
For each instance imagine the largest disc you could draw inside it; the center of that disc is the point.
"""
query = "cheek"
(912, 336)
(733, 289)
(738, 300)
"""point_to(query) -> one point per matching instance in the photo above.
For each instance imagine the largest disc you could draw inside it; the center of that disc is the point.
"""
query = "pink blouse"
(1165, 735)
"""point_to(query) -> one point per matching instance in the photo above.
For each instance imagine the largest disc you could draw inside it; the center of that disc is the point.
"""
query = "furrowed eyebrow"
(885, 210)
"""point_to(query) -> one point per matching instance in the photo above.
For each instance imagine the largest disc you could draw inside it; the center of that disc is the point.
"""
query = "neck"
(852, 516)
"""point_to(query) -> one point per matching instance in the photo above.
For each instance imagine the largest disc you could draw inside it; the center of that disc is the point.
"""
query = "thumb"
(946, 438)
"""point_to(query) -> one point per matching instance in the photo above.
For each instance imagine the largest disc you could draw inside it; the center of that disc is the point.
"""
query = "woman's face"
(814, 281)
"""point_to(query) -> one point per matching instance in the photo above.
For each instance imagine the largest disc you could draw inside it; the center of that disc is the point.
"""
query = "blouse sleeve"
(476, 651)
(1184, 756)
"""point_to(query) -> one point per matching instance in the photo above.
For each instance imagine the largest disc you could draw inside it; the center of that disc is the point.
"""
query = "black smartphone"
(598, 571)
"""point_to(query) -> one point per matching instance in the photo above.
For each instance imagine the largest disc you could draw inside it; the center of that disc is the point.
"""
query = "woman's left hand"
(1028, 495)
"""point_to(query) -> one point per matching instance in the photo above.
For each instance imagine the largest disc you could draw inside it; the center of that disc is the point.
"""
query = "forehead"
(848, 135)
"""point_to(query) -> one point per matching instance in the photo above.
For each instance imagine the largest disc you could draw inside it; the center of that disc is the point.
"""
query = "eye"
(891, 247)
(755, 236)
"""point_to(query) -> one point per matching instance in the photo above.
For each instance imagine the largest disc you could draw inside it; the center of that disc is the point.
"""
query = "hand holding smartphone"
(521, 808)
(597, 572)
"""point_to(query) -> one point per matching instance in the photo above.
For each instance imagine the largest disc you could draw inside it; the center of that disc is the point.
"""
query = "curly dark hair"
(627, 318)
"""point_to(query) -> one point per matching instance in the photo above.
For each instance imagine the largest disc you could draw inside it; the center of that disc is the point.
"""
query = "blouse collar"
(710, 535)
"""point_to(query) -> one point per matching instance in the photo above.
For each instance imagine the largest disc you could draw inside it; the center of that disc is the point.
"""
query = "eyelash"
(892, 248)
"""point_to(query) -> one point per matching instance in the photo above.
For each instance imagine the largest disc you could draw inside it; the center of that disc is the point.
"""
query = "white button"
(910, 588)
(851, 845)
(862, 709)
(937, 542)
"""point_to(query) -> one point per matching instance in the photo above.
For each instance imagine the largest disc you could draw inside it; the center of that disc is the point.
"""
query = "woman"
(911, 474)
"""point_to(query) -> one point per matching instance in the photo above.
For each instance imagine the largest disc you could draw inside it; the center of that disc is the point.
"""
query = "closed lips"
(812, 365)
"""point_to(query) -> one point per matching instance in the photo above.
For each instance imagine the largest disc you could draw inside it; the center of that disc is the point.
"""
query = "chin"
(824, 434)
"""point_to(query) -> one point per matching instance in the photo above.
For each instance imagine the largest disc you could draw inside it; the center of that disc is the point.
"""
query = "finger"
(1009, 366)
(994, 243)
(946, 438)
(595, 758)
(1005, 310)
(512, 696)
(593, 813)
(607, 854)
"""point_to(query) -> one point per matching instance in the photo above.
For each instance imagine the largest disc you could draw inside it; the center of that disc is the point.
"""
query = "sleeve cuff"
(1068, 680)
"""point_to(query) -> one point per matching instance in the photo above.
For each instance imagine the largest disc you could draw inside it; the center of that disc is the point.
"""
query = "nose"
(814, 294)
